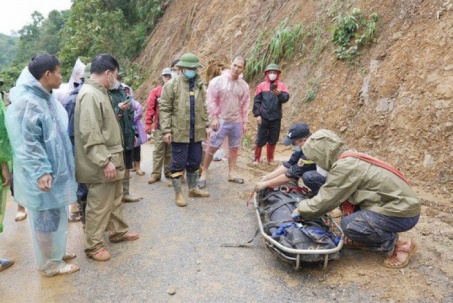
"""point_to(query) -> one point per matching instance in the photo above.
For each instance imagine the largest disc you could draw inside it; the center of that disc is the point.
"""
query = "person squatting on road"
(267, 109)
(122, 105)
(383, 202)
(100, 158)
(227, 102)
(184, 122)
(298, 166)
(44, 174)
(162, 150)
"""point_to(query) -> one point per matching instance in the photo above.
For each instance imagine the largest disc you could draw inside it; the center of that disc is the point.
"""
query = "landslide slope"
(394, 101)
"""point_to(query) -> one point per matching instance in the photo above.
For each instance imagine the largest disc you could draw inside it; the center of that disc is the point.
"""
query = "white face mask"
(115, 85)
(272, 77)
(173, 74)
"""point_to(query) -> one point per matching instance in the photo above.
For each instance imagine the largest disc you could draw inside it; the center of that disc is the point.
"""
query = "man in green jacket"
(122, 105)
(385, 204)
(183, 121)
(100, 159)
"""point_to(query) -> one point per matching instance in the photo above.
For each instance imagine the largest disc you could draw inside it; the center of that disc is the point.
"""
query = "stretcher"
(291, 255)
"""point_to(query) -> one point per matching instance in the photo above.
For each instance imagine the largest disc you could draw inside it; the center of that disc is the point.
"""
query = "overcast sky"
(14, 14)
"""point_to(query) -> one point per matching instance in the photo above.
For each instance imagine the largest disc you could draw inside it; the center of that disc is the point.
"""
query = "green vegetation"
(7, 50)
(311, 90)
(40, 36)
(284, 44)
(352, 32)
(247, 141)
(118, 27)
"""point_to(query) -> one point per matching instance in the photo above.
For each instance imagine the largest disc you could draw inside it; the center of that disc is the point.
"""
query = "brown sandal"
(394, 262)
(101, 255)
(129, 236)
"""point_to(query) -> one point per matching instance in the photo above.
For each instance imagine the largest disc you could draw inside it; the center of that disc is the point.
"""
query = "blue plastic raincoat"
(37, 125)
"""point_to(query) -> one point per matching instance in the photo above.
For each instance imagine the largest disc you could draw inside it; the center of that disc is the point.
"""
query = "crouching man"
(382, 202)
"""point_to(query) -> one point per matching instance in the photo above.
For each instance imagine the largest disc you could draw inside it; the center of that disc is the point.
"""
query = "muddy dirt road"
(180, 249)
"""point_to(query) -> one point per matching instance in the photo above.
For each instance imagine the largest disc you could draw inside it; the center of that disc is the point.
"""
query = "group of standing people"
(98, 146)
(184, 113)
(45, 169)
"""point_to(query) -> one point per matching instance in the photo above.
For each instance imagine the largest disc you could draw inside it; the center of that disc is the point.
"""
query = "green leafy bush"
(284, 43)
(352, 32)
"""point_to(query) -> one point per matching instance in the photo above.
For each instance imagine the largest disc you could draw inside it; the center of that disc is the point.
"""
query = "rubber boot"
(192, 181)
(179, 197)
(127, 197)
(258, 150)
(138, 170)
(270, 149)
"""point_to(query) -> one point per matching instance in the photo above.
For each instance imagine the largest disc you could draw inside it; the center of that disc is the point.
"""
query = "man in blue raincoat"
(44, 171)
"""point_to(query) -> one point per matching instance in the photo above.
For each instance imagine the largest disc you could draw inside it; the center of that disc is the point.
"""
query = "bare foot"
(401, 253)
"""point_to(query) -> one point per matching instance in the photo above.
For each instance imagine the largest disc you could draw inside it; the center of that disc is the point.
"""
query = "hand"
(148, 129)
(6, 175)
(208, 132)
(260, 186)
(110, 171)
(259, 120)
(276, 92)
(215, 124)
(168, 138)
(296, 216)
(264, 178)
(125, 105)
(45, 182)
(158, 100)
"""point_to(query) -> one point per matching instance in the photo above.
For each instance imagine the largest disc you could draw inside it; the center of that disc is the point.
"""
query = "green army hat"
(272, 66)
(189, 60)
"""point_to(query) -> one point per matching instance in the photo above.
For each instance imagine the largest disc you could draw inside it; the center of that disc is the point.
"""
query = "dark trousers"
(313, 180)
(377, 231)
(137, 153)
(185, 156)
(268, 132)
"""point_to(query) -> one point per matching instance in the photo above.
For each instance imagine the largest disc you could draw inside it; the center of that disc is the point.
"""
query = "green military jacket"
(97, 135)
(174, 109)
(361, 183)
(125, 118)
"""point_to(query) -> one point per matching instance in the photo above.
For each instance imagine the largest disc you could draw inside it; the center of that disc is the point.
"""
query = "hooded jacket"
(267, 104)
(357, 181)
(174, 109)
(125, 117)
(37, 128)
(228, 99)
(138, 115)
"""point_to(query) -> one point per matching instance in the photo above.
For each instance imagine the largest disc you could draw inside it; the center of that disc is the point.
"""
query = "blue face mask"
(297, 148)
(190, 73)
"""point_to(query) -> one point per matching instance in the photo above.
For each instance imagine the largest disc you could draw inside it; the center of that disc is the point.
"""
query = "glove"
(296, 216)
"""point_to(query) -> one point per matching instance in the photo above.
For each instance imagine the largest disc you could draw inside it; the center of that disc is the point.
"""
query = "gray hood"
(324, 147)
